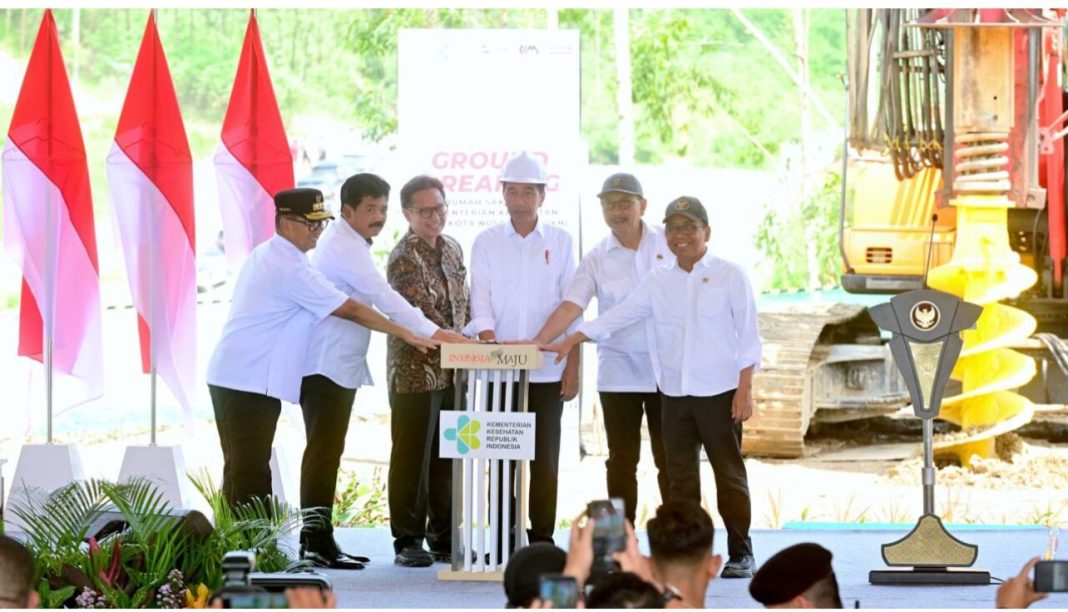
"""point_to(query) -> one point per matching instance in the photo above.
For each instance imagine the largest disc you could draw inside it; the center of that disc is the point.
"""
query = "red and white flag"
(150, 173)
(48, 219)
(253, 162)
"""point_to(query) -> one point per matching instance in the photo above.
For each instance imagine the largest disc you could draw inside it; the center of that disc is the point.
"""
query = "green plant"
(126, 568)
(775, 503)
(256, 526)
(53, 598)
(1047, 517)
(359, 503)
(845, 513)
(895, 514)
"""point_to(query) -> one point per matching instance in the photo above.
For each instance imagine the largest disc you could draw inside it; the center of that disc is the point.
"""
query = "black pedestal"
(923, 575)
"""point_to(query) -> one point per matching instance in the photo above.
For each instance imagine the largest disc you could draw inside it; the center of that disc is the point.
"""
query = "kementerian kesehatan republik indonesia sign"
(487, 435)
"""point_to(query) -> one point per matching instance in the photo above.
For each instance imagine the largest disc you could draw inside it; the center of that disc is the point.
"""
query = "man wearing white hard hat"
(519, 273)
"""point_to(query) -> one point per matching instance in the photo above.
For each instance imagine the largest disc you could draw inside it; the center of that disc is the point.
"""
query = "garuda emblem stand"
(925, 342)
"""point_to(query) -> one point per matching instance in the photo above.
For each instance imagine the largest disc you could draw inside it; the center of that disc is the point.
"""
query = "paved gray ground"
(856, 551)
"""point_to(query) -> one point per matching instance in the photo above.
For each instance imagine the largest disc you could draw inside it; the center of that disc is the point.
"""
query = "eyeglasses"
(618, 203)
(682, 228)
(440, 210)
(311, 225)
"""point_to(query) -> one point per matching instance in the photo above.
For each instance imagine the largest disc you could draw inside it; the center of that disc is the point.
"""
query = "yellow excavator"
(955, 182)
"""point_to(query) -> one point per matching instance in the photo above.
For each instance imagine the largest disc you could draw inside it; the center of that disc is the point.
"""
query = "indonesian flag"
(253, 162)
(48, 219)
(150, 172)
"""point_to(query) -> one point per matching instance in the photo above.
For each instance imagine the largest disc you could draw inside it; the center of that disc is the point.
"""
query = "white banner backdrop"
(469, 99)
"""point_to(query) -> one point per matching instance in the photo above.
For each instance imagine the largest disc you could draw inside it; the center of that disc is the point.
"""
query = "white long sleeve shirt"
(517, 282)
(611, 271)
(338, 347)
(705, 323)
(277, 300)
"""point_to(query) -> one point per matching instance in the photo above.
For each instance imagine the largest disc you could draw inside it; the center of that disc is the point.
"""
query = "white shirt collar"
(347, 230)
(288, 248)
(706, 260)
(614, 243)
(511, 228)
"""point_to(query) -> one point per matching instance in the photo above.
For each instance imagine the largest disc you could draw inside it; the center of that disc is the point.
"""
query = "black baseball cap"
(303, 202)
(621, 182)
(687, 206)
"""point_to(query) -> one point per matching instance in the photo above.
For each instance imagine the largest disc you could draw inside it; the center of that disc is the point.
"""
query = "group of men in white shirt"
(677, 333)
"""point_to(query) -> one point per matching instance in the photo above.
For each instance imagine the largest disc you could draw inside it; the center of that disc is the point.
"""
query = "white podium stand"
(163, 465)
(42, 466)
(479, 483)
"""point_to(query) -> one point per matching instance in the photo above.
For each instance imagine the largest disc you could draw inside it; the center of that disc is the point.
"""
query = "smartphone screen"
(255, 600)
(609, 536)
(1051, 576)
(561, 590)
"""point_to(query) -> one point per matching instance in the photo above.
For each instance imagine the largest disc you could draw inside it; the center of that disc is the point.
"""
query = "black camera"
(238, 591)
(609, 536)
(1051, 576)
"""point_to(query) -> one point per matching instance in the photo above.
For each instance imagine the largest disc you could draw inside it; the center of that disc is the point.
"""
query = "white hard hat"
(524, 168)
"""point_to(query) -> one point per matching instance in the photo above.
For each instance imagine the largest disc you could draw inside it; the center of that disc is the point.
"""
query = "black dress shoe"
(441, 556)
(340, 561)
(414, 556)
(322, 551)
(741, 566)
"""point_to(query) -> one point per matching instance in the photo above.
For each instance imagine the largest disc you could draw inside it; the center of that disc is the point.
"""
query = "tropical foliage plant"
(153, 556)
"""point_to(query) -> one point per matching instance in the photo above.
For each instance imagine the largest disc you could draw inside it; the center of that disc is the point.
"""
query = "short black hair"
(363, 185)
(824, 593)
(523, 572)
(681, 532)
(418, 184)
(624, 590)
(16, 571)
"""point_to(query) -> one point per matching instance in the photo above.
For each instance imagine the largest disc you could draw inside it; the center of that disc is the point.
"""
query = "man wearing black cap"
(337, 360)
(706, 350)
(260, 357)
(625, 378)
(799, 576)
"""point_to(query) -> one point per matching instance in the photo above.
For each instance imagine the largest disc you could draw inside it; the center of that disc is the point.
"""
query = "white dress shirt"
(277, 300)
(517, 282)
(338, 347)
(611, 271)
(705, 323)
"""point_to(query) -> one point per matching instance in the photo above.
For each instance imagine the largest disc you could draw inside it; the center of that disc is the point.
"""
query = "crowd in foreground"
(677, 573)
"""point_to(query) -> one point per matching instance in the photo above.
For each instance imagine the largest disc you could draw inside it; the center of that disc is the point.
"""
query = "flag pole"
(152, 327)
(49, 317)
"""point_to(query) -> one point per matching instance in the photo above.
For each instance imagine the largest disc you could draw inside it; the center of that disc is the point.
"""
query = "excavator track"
(782, 388)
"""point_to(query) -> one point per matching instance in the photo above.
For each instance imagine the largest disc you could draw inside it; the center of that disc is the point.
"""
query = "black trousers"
(327, 407)
(420, 482)
(246, 423)
(544, 401)
(690, 422)
(623, 427)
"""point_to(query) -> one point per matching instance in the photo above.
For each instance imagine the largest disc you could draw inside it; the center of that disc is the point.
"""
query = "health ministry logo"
(465, 433)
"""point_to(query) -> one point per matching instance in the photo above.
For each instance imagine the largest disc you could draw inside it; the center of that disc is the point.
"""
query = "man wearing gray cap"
(625, 371)
(706, 349)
